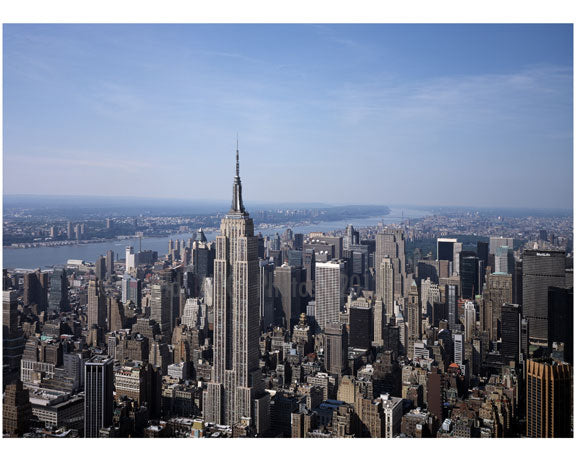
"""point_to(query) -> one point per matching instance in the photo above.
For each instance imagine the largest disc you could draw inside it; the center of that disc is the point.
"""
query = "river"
(42, 257)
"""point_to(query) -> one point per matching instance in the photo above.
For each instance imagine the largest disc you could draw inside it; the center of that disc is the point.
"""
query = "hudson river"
(42, 257)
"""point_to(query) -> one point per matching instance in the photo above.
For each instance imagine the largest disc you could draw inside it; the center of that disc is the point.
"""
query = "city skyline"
(316, 335)
(477, 101)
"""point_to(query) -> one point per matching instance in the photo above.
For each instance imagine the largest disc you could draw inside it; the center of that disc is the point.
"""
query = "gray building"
(236, 388)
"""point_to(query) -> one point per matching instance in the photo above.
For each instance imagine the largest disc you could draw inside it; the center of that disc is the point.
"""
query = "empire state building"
(235, 396)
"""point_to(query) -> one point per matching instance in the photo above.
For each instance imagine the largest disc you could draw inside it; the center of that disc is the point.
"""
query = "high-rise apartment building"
(235, 395)
(98, 394)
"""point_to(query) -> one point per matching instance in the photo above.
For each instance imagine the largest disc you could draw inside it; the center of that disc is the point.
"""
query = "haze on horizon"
(458, 115)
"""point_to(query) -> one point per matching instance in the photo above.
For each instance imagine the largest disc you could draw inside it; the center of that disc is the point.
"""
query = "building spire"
(237, 158)
(237, 205)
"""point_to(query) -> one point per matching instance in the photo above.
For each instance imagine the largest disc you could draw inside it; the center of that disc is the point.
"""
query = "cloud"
(460, 98)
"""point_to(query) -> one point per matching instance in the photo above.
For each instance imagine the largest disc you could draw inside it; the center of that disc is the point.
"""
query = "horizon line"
(316, 204)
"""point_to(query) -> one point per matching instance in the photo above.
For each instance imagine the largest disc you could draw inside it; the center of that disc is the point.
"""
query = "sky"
(462, 115)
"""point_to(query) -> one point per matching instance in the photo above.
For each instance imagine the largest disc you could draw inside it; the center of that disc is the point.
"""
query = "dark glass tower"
(510, 331)
(469, 274)
(98, 394)
(58, 295)
(540, 270)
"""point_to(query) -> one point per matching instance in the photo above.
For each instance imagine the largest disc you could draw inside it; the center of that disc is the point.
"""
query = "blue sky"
(468, 115)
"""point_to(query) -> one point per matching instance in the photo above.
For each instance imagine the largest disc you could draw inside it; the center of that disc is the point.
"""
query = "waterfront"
(43, 257)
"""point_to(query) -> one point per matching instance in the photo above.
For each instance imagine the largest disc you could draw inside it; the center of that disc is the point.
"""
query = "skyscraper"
(361, 324)
(497, 242)
(482, 251)
(510, 332)
(504, 260)
(235, 395)
(458, 340)
(469, 274)
(287, 284)
(13, 341)
(100, 268)
(452, 305)
(330, 292)
(548, 399)
(160, 308)
(109, 263)
(390, 242)
(16, 409)
(561, 320)
(540, 270)
(130, 258)
(96, 304)
(445, 249)
(469, 320)
(336, 347)
(115, 314)
(58, 294)
(131, 290)
(498, 291)
(36, 289)
(266, 288)
(352, 237)
(385, 286)
(98, 394)
(309, 263)
(414, 313)
(9, 313)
